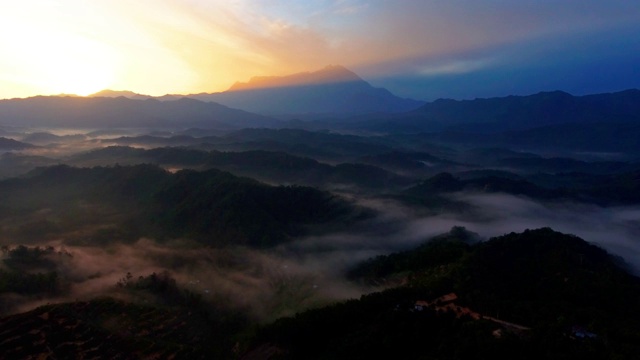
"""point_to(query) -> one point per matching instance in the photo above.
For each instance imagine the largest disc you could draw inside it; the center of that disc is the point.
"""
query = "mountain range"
(333, 90)
(337, 99)
(510, 113)
(109, 112)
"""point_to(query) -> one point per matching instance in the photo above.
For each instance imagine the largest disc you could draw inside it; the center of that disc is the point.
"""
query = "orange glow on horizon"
(158, 47)
(75, 47)
(149, 47)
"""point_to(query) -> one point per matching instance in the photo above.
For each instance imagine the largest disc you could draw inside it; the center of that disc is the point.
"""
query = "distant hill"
(611, 189)
(525, 112)
(445, 183)
(10, 144)
(511, 113)
(547, 121)
(268, 166)
(405, 161)
(333, 90)
(289, 169)
(13, 164)
(45, 138)
(604, 136)
(315, 144)
(105, 112)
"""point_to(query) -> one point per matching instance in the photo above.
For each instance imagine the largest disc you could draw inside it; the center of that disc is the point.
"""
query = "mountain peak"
(331, 90)
(119, 93)
(327, 75)
(339, 72)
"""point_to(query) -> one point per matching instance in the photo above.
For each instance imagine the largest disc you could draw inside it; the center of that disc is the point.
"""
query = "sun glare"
(55, 60)
(75, 65)
(70, 75)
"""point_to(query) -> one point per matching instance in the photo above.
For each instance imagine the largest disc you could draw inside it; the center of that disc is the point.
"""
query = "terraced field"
(105, 328)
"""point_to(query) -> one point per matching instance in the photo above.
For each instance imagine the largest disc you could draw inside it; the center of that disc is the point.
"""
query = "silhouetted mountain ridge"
(119, 93)
(333, 90)
(101, 112)
(329, 74)
(545, 108)
(10, 144)
(465, 118)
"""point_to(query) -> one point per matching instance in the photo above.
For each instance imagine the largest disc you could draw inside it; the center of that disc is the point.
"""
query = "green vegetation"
(212, 206)
(543, 280)
(382, 325)
(219, 207)
(12, 281)
(434, 254)
(30, 271)
(270, 166)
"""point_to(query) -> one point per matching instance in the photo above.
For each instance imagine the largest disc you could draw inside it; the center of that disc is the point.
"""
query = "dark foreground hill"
(538, 294)
(533, 295)
(159, 320)
(103, 329)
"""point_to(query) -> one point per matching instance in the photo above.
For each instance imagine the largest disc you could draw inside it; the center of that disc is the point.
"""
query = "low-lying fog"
(615, 229)
(309, 272)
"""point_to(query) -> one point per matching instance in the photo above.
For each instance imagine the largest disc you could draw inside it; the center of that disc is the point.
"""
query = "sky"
(423, 49)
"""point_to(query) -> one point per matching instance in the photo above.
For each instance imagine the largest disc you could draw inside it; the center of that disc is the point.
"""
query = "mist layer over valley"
(244, 225)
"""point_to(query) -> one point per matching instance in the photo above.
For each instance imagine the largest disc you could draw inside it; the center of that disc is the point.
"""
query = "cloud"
(264, 284)
(399, 227)
(615, 229)
(454, 67)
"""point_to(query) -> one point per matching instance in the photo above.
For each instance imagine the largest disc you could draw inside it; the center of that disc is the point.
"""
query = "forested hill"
(539, 294)
(616, 189)
(211, 206)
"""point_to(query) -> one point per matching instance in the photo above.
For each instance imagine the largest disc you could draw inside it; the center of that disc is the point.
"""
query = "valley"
(141, 227)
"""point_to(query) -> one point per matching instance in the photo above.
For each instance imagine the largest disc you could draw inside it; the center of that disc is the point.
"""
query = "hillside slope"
(533, 295)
